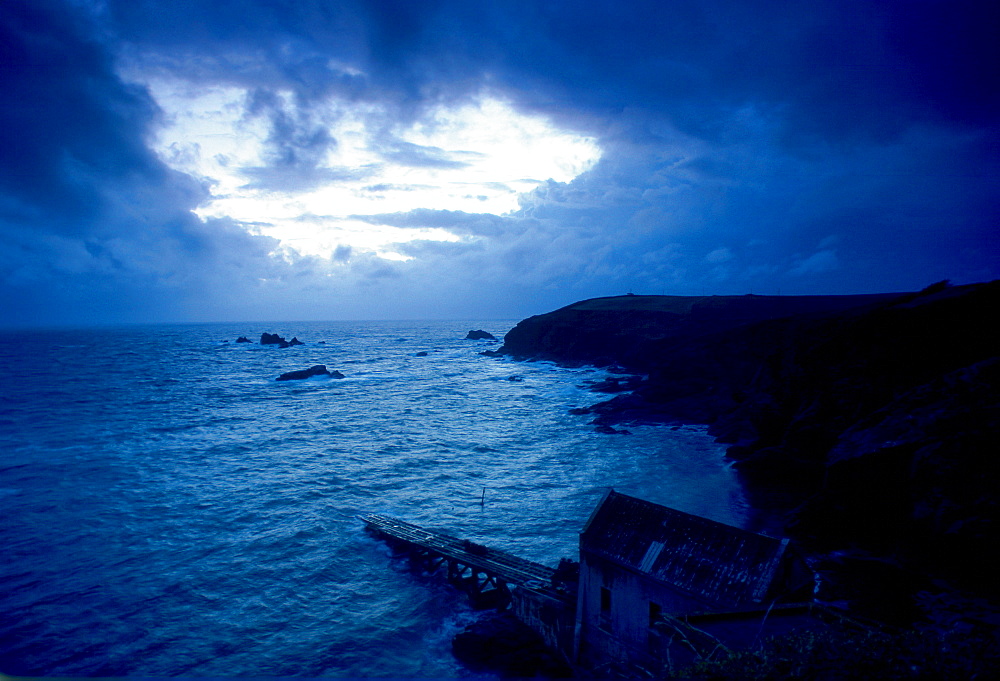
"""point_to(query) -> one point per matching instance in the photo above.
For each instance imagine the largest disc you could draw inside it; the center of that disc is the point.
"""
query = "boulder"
(479, 334)
(295, 341)
(318, 370)
(243, 339)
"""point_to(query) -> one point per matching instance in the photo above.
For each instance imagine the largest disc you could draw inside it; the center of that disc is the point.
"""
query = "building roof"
(714, 562)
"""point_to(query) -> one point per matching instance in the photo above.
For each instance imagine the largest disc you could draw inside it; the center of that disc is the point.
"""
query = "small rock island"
(302, 374)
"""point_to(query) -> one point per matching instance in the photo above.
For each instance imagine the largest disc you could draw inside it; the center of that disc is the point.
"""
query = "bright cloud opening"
(476, 158)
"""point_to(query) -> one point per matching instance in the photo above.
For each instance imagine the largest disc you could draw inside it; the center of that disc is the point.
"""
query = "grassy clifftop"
(624, 330)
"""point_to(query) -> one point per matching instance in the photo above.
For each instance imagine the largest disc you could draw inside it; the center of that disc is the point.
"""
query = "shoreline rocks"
(479, 334)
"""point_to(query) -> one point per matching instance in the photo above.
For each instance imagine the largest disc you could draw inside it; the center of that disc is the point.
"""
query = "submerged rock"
(318, 370)
(608, 430)
(479, 334)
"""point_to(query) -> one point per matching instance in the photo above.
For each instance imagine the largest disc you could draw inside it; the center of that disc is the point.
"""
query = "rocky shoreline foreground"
(868, 424)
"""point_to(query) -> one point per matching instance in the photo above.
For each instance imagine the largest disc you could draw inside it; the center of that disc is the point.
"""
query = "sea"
(169, 509)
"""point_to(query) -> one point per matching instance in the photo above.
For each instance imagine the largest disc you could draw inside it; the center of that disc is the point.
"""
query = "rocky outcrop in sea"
(273, 339)
(302, 374)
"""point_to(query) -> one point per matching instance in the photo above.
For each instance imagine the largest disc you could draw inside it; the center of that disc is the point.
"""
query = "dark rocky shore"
(868, 424)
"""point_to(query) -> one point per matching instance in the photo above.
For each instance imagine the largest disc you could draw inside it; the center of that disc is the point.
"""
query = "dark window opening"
(654, 612)
(605, 621)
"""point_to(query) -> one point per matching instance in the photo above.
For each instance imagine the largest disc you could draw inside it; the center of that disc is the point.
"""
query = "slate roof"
(720, 564)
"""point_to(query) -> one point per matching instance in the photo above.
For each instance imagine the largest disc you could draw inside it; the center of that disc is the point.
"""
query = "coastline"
(866, 422)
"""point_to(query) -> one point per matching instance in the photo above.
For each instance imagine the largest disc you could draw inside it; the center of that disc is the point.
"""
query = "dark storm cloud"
(296, 141)
(69, 125)
(845, 145)
(94, 226)
(832, 70)
(851, 71)
(835, 69)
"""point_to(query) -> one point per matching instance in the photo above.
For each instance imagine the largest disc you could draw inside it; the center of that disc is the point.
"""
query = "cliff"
(871, 420)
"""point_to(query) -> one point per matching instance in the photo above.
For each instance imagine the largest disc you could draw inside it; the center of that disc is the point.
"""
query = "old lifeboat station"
(654, 588)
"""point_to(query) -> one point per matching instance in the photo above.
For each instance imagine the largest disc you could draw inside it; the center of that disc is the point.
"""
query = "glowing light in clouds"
(475, 158)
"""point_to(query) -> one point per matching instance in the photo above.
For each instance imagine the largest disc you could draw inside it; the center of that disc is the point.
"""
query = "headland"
(867, 424)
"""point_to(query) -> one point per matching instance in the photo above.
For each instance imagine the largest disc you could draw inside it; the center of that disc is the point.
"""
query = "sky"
(238, 160)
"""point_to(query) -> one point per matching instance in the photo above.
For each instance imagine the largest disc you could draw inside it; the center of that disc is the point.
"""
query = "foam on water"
(171, 509)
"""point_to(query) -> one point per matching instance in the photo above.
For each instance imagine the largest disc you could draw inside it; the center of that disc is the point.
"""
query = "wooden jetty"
(484, 573)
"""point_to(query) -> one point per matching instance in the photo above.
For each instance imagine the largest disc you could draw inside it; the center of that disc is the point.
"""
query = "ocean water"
(168, 509)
